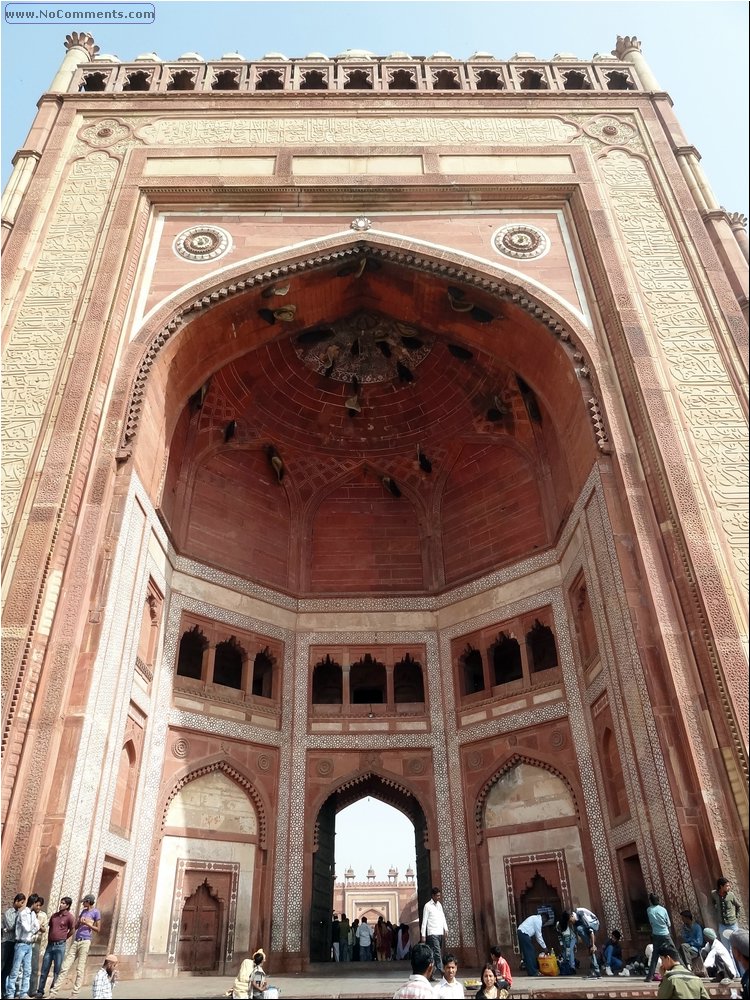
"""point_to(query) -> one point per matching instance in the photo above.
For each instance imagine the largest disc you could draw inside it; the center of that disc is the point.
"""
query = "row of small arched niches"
(182, 79)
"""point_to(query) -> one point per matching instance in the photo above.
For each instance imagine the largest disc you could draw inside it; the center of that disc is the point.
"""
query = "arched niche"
(212, 821)
(531, 832)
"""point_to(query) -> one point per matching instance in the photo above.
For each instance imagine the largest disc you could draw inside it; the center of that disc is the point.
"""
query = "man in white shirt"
(417, 987)
(585, 924)
(449, 986)
(27, 925)
(528, 931)
(434, 927)
(716, 958)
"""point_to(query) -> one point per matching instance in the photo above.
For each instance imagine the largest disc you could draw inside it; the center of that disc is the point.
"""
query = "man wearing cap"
(105, 979)
(89, 921)
(739, 942)
(716, 958)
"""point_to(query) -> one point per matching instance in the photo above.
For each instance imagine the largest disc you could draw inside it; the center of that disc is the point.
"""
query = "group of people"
(59, 941)
(703, 952)
(434, 974)
(425, 981)
(360, 941)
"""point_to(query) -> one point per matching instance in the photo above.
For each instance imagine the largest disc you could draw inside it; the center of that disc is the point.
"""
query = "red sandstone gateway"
(371, 427)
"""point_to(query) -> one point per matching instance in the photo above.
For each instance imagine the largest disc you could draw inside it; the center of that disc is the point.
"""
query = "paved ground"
(352, 981)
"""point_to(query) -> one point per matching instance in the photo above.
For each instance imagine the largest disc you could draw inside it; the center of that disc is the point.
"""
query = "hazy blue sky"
(697, 50)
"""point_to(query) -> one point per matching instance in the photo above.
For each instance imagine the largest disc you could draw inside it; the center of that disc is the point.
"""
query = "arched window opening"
(402, 79)
(328, 683)
(183, 79)
(270, 79)
(193, 645)
(488, 79)
(228, 79)
(472, 671)
(575, 80)
(228, 663)
(122, 807)
(367, 682)
(532, 79)
(446, 79)
(619, 81)
(506, 659)
(94, 83)
(137, 80)
(314, 79)
(408, 683)
(263, 674)
(358, 79)
(542, 647)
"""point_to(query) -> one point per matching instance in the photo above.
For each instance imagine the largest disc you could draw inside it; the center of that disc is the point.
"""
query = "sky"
(373, 833)
(697, 50)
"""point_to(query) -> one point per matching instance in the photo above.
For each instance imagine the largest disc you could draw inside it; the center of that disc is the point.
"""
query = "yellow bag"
(548, 965)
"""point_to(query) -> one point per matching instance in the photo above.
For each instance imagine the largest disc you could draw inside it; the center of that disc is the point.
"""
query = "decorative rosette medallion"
(203, 243)
(521, 242)
(613, 131)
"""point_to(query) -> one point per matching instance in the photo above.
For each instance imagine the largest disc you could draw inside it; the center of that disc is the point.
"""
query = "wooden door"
(199, 945)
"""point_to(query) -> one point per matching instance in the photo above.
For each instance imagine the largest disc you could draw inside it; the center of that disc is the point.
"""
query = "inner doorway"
(355, 878)
(201, 921)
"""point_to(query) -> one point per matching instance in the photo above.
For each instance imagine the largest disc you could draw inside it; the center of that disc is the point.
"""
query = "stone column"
(80, 48)
(738, 225)
(628, 48)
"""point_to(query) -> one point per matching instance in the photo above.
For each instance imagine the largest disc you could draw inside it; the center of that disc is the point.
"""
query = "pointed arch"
(513, 761)
(235, 774)
(393, 792)
(166, 324)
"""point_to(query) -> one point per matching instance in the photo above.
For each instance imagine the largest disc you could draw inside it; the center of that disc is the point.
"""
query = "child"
(501, 967)
(258, 981)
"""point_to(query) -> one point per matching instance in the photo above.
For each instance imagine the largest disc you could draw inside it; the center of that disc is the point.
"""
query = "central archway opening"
(371, 863)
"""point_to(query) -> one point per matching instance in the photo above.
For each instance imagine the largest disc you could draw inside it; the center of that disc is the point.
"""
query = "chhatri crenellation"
(371, 426)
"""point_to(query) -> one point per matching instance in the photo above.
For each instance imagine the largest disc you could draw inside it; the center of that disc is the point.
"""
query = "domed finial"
(81, 40)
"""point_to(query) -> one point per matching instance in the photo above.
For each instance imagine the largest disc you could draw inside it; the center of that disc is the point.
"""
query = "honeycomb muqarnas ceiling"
(375, 413)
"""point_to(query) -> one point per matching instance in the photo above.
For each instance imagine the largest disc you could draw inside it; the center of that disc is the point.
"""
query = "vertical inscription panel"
(710, 408)
(37, 340)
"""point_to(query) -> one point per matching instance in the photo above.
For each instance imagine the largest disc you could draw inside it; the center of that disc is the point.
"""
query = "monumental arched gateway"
(424, 487)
